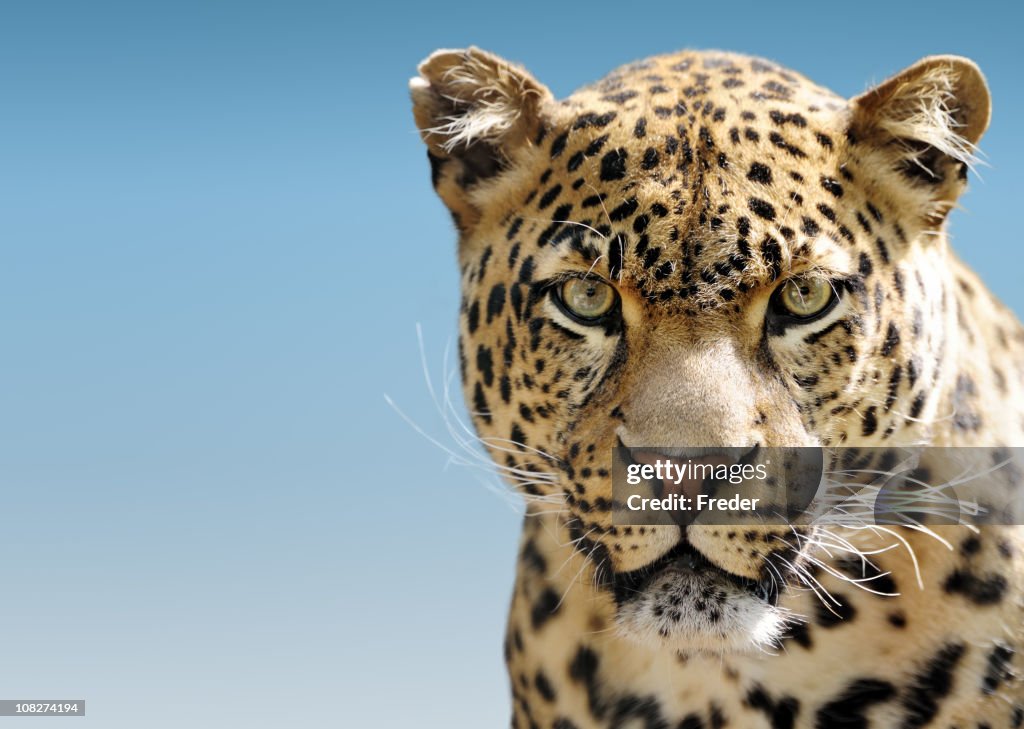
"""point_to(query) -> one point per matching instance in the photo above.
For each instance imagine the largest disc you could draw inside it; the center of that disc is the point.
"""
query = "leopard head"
(702, 250)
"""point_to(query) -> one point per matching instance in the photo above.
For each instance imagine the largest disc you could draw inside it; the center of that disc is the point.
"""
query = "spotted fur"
(696, 184)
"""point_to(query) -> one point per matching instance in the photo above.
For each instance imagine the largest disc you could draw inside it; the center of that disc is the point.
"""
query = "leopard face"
(710, 251)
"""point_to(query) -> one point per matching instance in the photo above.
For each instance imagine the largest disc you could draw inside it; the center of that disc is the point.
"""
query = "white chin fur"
(687, 611)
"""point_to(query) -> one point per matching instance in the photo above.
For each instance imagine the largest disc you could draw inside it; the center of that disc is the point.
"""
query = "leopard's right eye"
(804, 298)
(587, 300)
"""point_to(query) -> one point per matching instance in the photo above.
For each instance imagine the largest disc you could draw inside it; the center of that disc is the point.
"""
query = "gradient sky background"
(217, 235)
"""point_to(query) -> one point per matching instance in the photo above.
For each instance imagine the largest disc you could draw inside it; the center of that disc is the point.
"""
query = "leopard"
(707, 249)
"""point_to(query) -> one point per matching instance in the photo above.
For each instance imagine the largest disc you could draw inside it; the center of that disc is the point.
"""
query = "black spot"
(779, 141)
(892, 339)
(867, 573)
(544, 687)
(613, 165)
(998, 669)
(650, 160)
(625, 210)
(549, 197)
(883, 250)
(847, 710)
(590, 119)
(646, 709)
(898, 620)
(771, 254)
(531, 556)
(863, 222)
(691, 721)
(514, 228)
(485, 364)
(706, 139)
(473, 317)
(782, 119)
(558, 146)
(869, 422)
(831, 615)
(583, 669)
(663, 271)
(832, 185)
(622, 97)
(864, 265)
(596, 146)
(918, 404)
(760, 173)
(894, 387)
(615, 250)
(781, 713)
(799, 633)
(526, 270)
(971, 545)
(761, 208)
(984, 590)
(495, 302)
(480, 407)
(544, 608)
(933, 683)
(640, 130)
(716, 718)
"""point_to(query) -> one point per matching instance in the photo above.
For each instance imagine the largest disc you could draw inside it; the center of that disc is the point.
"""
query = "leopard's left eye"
(804, 297)
(588, 300)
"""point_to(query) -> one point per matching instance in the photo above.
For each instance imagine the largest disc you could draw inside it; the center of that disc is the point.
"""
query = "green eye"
(804, 297)
(586, 299)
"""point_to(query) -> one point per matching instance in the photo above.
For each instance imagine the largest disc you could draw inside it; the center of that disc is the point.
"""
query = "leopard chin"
(685, 603)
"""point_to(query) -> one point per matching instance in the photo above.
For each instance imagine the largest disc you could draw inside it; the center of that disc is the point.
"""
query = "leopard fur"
(695, 184)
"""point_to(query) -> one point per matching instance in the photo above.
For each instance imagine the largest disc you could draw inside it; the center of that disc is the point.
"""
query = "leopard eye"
(587, 300)
(804, 297)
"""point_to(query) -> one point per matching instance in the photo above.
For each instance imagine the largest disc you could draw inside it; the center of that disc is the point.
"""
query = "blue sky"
(217, 236)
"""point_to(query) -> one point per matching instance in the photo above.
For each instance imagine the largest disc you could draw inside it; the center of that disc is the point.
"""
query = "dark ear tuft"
(927, 121)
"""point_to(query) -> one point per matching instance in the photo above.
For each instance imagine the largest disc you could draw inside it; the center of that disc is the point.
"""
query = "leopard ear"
(473, 110)
(926, 122)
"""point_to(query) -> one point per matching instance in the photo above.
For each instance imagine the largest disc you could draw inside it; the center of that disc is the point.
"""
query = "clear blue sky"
(217, 234)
